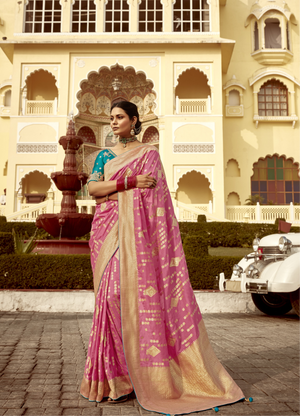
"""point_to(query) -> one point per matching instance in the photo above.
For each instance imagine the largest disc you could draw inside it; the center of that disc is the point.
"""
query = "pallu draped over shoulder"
(148, 333)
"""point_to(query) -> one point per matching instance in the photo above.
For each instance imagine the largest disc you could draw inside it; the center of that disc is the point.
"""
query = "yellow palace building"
(216, 83)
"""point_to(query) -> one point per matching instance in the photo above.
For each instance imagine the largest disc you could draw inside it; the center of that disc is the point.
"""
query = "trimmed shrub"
(201, 218)
(6, 243)
(2, 219)
(195, 246)
(277, 221)
(19, 271)
(204, 270)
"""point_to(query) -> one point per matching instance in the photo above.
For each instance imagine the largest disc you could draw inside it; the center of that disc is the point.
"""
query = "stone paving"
(42, 357)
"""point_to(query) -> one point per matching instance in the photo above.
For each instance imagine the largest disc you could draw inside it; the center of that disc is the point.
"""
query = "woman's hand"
(146, 181)
(111, 197)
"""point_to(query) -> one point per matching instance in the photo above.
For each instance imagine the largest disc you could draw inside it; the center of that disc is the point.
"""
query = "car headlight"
(252, 272)
(237, 270)
(284, 244)
(255, 244)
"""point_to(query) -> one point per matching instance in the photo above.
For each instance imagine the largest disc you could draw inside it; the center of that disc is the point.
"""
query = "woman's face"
(120, 122)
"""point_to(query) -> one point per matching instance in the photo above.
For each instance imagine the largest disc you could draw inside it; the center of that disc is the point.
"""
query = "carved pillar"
(292, 102)
(282, 26)
(255, 104)
(66, 15)
(24, 101)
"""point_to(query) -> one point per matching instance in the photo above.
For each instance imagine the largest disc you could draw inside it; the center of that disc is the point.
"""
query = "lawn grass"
(229, 251)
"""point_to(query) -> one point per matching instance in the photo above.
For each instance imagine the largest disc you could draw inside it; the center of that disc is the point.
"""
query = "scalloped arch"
(190, 171)
(33, 171)
(38, 70)
(105, 67)
(275, 154)
(187, 69)
(260, 12)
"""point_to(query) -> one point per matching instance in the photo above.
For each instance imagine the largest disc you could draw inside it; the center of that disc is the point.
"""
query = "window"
(117, 16)
(276, 181)
(234, 98)
(272, 34)
(256, 37)
(84, 16)
(42, 16)
(150, 16)
(191, 16)
(7, 98)
(273, 99)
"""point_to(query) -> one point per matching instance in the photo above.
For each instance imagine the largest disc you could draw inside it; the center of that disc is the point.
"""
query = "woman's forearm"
(102, 188)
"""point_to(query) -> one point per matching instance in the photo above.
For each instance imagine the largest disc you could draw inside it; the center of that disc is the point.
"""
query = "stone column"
(100, 13)
(66, 9)
(168, 15)
(133, 15)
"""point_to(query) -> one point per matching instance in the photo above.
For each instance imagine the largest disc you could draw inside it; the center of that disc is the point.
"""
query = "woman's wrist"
(126, 183)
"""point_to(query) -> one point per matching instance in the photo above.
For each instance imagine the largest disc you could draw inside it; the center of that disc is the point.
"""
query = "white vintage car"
(271, 274)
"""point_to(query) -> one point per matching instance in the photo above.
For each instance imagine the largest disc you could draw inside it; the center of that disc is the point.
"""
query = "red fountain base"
(64, 246)
(65, 225)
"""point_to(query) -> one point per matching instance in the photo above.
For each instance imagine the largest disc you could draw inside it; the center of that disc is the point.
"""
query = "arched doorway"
(87, 135)
(35, 186)
(276, 180)
(107, 86)
(194, 188)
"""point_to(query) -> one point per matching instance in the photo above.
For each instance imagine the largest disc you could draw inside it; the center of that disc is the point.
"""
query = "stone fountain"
(68, 224)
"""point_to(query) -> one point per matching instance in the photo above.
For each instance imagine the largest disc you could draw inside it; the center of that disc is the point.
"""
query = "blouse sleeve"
(98, 169)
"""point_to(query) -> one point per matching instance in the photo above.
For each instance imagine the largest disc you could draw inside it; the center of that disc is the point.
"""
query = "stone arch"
(116, 83)
(232, 168)
(194, 188)
(35, 182)
(151, 135)
(192, 83)
(36, 71)
(41, 85)
(233, 198)
(87, 135)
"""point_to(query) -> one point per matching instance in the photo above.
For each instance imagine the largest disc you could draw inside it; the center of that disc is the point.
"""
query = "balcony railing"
(41, 107)
(193, 106)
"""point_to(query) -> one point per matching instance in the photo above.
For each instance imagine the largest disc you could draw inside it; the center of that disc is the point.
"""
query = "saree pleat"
(148, 306)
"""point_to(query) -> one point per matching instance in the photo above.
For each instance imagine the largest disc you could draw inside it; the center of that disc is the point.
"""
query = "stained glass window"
(276, 180)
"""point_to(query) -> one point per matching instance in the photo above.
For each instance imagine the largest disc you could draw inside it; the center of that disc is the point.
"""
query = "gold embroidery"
(153, 351)
(160, 212)
(174, 222)
(141, 234)
(150, 291)
(159, 174)
(155, 252)
(128, 172)
(175, 261)
(174, 302)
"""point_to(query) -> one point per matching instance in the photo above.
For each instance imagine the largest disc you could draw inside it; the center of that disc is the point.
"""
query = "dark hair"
(132, 111)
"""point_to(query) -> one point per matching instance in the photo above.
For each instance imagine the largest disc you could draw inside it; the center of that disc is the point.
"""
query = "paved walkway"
(42, 358)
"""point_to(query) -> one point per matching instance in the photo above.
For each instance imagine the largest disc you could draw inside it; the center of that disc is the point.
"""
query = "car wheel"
(294, 297)
(272, 303)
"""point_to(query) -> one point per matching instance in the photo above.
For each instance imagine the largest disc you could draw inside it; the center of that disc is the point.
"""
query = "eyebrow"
(120, 114)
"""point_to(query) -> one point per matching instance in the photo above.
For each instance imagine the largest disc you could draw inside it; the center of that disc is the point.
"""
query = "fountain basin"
(65, 226)
(69, 181)
(63, 246)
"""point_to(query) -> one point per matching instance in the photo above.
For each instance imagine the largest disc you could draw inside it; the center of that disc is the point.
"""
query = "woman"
(147, 332)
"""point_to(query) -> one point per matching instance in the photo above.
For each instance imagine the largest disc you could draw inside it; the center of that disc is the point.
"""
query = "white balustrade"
(41, 107)
(29, 214)
(193, 105)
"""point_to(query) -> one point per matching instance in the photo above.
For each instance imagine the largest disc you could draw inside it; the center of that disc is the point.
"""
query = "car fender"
(283, 276)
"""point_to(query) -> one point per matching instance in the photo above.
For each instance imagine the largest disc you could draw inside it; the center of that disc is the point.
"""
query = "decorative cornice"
(271, 71)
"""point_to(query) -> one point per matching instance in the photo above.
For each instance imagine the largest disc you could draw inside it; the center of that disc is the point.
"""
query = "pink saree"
(147, 331)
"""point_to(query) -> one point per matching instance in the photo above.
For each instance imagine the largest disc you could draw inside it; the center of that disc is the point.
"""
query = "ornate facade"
(220, 100)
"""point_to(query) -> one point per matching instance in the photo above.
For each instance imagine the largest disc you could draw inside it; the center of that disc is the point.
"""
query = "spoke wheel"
(272, 303)
(294, 297)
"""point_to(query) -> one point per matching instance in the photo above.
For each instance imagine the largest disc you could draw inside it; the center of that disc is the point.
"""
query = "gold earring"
(132, 133)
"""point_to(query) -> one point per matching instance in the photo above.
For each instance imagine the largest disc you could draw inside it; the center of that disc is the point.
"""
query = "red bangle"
(131, 182)
(120, 184)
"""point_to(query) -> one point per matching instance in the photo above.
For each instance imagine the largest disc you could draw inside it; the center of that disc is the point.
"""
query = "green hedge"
(30, 271)
(228, 234)
(6, 243)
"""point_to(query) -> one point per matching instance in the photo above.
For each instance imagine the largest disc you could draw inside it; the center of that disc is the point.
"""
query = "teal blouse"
(98, 170)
